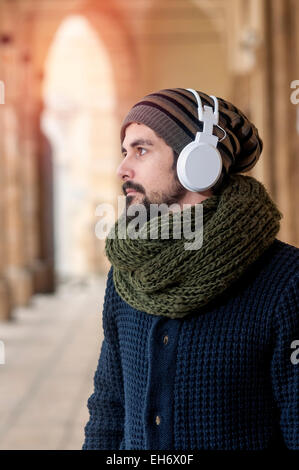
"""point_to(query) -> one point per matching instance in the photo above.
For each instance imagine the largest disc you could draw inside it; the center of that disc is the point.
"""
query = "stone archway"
(79, 120)
(107, 24)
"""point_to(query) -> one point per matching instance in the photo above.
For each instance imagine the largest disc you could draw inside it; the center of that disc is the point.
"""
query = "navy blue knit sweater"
(223, 378)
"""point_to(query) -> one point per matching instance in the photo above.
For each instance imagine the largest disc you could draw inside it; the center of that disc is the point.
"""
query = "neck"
(194, 198)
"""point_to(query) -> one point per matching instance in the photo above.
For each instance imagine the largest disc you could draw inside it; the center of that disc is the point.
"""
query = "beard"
(167, 198)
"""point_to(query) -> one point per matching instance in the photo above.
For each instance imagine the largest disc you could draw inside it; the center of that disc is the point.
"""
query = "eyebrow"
(138, 142)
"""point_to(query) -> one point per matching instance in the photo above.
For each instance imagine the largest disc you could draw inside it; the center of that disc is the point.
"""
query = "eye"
(141, 151)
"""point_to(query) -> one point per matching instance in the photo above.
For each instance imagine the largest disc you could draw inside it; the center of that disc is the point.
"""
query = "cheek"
(157, 173)
(161, 174)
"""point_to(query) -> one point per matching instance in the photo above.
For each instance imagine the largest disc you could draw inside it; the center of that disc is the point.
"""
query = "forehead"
(136, 130)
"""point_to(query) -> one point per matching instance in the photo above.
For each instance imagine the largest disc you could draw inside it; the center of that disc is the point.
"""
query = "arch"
(79, 119)
(107, 20)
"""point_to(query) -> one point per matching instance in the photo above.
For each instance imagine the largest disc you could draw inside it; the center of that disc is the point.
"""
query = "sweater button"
(165, 339)
(158, 420)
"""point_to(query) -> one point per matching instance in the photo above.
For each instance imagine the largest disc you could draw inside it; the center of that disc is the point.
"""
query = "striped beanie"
(172, 114)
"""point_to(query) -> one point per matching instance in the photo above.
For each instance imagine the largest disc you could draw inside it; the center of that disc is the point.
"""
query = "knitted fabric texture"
(173, 114)
(161, 277)
(223, 380)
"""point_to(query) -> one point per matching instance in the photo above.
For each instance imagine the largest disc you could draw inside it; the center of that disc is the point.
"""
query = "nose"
(125, 170)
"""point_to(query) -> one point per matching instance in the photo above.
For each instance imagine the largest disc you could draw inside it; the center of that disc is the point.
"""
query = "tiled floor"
(51, 352)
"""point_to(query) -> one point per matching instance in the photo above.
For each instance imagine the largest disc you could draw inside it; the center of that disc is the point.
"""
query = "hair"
(217, 188)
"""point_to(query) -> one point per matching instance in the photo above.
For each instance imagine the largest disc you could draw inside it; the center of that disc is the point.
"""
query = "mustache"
(136, 187)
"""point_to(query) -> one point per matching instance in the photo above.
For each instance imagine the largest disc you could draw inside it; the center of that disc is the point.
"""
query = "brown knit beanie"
(172, 114)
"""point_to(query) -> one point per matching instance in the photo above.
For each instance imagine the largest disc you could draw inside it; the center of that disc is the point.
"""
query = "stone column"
(46, 281)
(264, 60)
(15, 270)
(29, 117)
(249, 64)
(5, 300)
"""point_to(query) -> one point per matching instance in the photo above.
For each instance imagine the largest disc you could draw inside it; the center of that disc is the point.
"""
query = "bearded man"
(198, 344)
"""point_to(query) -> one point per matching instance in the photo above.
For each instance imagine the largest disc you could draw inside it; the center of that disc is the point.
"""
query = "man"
(199, 345)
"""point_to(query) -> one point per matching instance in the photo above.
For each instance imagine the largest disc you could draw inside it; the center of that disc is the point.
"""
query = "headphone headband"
(201, 111)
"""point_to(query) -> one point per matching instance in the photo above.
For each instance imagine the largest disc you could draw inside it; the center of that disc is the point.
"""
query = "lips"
(131, 191)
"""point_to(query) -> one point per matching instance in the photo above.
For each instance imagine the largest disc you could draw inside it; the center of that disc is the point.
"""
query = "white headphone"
(199, 164)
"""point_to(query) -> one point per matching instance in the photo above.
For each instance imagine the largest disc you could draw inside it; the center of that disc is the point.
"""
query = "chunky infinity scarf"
(160, 277)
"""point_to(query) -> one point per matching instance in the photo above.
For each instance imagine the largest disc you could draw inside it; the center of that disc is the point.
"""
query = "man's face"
(147, 170)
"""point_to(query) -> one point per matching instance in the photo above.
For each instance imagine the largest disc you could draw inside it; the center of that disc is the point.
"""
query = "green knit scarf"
(160, 277)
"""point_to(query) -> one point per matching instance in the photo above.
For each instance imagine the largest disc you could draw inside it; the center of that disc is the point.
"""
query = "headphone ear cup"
(199, 166)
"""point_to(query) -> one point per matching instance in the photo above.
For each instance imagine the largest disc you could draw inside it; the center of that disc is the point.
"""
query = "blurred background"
(69, 72)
